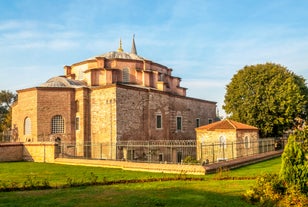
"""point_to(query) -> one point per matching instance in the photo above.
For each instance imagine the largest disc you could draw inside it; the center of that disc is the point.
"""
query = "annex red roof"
(226, 124)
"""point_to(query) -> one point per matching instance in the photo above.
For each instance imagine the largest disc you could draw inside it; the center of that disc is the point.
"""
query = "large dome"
(63, 82)
(119, 55)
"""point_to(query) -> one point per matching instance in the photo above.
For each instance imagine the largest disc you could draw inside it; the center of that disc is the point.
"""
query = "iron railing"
(168, 151)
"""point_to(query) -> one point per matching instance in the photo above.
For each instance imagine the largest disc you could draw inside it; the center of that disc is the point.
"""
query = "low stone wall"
(29, 151)
(136, 166)
(10, 152)
(39, 151)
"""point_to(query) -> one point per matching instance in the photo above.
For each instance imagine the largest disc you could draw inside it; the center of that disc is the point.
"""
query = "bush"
(290, 187)
(294, 197)
(190, 160)
(268, 191)
(294, 168)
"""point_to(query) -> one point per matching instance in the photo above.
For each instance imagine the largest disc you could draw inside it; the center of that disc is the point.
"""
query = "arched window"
(222, 142)
(27, 126)
(125, 75)
(57, 124)
(247, 144)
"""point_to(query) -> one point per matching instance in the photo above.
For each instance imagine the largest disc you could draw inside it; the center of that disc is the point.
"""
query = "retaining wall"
(10, 152)
(32, 151)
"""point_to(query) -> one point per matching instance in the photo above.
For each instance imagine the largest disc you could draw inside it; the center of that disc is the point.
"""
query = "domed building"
(109, 99)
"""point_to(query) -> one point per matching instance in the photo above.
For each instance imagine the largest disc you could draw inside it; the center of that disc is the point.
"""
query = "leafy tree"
(6, 100)
(267, 96)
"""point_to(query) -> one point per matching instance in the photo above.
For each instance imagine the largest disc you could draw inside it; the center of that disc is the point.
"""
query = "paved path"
(170, 168)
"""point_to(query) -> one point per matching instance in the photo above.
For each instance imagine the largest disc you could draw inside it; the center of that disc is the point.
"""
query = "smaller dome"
(63, 82)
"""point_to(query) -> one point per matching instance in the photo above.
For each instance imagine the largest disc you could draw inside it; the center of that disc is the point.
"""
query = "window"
(77, 123)
(159, 122)
(161, 157)
(178, 123)
(210, 121)
(77, 106)
(94, 78)
(125, 75)
(160, 77)
(57, 124)
(247, 144)
(222, 142)
(27, 126)
(197, 122)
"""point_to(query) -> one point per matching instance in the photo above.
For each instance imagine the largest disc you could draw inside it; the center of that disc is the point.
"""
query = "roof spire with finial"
(120, 49)
(133, 50)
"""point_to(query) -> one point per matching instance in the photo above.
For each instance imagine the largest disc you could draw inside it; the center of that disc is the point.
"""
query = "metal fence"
(168, 151)
(6, 136)
(216, 152)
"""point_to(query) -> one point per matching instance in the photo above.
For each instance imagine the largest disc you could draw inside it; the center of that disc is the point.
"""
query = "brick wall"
(56, 101)
(11, 152)
(37, 152)
(25, 107)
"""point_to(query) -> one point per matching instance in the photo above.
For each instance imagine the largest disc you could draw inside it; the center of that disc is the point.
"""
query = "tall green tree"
(7, 98)
(294, 167)
(267, 96)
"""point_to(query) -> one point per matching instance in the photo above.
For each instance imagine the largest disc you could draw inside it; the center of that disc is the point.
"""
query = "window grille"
(27, 126)
(57, 124)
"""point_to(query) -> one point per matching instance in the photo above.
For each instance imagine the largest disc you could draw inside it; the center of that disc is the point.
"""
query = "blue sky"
(205, 42)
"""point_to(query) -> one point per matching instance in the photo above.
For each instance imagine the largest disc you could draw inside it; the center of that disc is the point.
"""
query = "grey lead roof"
(63, 82)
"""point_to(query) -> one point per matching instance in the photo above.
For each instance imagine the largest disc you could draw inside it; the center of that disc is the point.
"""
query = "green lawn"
(208, 192)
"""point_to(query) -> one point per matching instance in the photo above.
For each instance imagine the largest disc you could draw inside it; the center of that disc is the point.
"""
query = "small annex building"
(108, 100)
(226, 139)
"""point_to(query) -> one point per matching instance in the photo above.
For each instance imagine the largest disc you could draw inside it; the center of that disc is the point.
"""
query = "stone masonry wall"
(103, 121)
(138, 108)
(234, 147)
(37, 152)
(56, 101)
(25, 107)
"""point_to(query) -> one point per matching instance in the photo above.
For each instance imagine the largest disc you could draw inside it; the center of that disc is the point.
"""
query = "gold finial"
(120, 49)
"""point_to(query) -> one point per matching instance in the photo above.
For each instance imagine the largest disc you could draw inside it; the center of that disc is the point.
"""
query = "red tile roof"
(226, 124)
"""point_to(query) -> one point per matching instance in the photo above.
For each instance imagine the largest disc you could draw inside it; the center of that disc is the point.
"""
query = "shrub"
(290, 187)
(222, 173)
(268, 191)
(293, 197)
(190, 160)
(294, 168)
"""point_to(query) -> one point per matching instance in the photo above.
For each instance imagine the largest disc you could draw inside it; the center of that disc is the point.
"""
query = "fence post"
(101, 150)
(149, 152)
(213, 153)
(232, 151)
(201, 151)
(223, 150)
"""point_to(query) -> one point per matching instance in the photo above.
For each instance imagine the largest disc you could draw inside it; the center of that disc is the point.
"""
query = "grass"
(208, 192)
